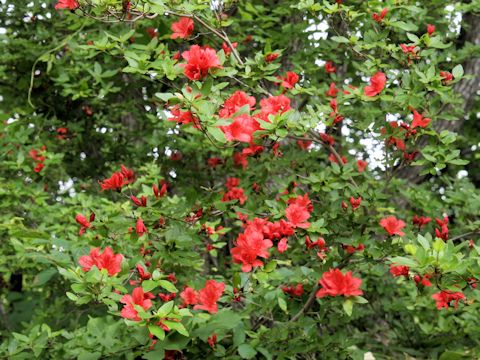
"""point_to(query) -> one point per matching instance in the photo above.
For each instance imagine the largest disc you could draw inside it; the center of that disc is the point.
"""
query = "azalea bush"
(240, 180)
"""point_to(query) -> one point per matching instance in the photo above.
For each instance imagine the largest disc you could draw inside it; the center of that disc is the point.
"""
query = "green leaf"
(457, 72)
(157, 331)
(217, 134)
(348, 306)
(246, 351)
(167, 285)
(149, 285)
(165, 309)
(340, 39)
(283, 304)
(404, 26)
(424, 242)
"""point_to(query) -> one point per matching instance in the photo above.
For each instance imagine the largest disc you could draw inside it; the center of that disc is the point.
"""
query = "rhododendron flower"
(377, 83)
(393, 225)
(271, 57)
(443, 298)
(334, 159)
(241, 129)
(275, 104)
(140, 227)
(139, 202)
(235, 194)
(420, 220)
(282, 245)
(189, 296)
(355, 202)
(289, 80)
(298, 211)
(208, 296)
(419, 120)
(446, 77)
(227, 49)
(212, 340)
(335, 283)
(409, 49)
(199, 61)
(183, 28)
(237, 100)
(83, 222)
(183, 117)
(240, 160)
(430, 29)
(424, 281)
(115, 182)
(138, 298)
(144, 275)
(332, 90)
(361, 165)
(250, 245)
(327, 138)
(304, 144)
(67, 4)
(330, 68)
(379, 17)
(352, 249)
(295, 291)
(152, 32)
(399, 270)
(106, 260)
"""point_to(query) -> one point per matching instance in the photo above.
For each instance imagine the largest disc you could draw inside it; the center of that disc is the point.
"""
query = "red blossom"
(289, 80)
(377, 84)
(189, 296)
(271, 57)
(199, 61)
(361, 165)
(236, 101)
(83, 222)
(420, 220)
(392, 225)
(294, 291)
(212, 340)
(241, 129)
(399, 270)
(419, 120)
(379, 17)
(67, 4)
(140, 227)
(208, 296)
(430, 29)
(446, 77)
(139, 298)
(443, 298)
(335, 283)
(227, 49)
(330, 68)
(355, 203)
(298, 211)
(250, 245)
(183, 28)
(332, 90)
(105, 260)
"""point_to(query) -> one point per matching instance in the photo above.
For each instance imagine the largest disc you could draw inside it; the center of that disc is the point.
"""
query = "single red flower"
(304, 144)
(274, 105)
(399, 270)
(327, 138)
(446, 77)
(332, 90)
(209, 295)
(106, 260)
(236, 101)
(83, 222)
(393, 225)
(250, 245)
(420, 220)
(142, 202)
(282, 245)
(212, 340)
(330, 68)
(443, 298)
(289, 80)
(361, 165)
(430, 29)
(298, 212)
(227, 49)
(144, 275)
(183, 28)
(377, 84)
(241, 129)
(335, 283)
(355, 203)
(294, 291)
(138, 298)
(271, 57)
(67, 4)
(419, 120)
(189, 296)
(140, 227)
(379, 17)
(199, 61)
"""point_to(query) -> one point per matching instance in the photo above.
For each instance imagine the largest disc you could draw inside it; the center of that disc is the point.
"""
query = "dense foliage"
(290, 179)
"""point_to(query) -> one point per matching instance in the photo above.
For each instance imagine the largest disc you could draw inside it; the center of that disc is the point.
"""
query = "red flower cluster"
(106, 260)
(199, 61)
(377, 84)
(392, 225)
(320, 244)
(399, 270)
(420, 221)
(118, 179)
(355, 203)
(183, 117)
(39, 159)
(204, 299)
(443, 298)
(298, 211)
(140, 227)
(234, 191)
(335, 283)
(138, 298)
(183, 28)
(442, 233)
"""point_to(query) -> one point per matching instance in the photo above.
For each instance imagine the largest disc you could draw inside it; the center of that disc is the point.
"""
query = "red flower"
(419, 120)
(140, 228)
(304, 144)
(183, 28)
(235, 194)
(107, 260)
(289, 81)
(189, 296)
(241, 129)
(399, 270)
(83, 222)
(66, 4)
(330, 68)
(392, 225)
(275, 104)
(138, 202)
(209, 295)
(332, 90)
(214, 162)
(212, 340)
(152, 32)
(334, 283)
(271, 57)
(298, 211)
(282, 245)
(240, 160)
(430, 29)
(420, 220)
(139, 298)
(327, 138)
(377, 83)
(227, 49)
(38, 167)
(443, 298)
(334, 159)
(199, 61)
(379, 17)
(361, 165)
(118, 179)
(446, 77)
(250, 245)
(183, 117)
(237, 100)
(144, 275)
(355, 202)
(424, 281)
(294, 291)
